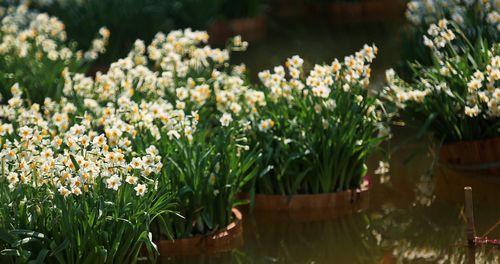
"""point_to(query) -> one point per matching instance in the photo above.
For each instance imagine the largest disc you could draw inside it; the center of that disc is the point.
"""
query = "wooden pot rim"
(225, 240)
(300, 202)
(463, 143)
(472, 155)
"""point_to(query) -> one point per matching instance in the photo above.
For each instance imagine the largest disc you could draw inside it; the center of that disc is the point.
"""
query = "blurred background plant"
(457, 96)
(127, 20)
(476, 19)
(141, 19)
(34, 51)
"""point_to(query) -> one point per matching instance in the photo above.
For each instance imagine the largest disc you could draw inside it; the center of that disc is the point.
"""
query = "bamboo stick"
(469, 215)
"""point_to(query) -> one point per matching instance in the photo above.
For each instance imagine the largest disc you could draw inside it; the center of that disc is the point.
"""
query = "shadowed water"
(415, 218)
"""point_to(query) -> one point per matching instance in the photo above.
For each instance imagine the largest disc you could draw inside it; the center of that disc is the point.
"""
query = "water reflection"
(313, 242)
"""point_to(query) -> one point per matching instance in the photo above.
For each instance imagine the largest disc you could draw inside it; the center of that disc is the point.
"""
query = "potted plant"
(456, 98)
(315, 133)
(206, 172)
(69, 194)
(474, 18)
(184, 98)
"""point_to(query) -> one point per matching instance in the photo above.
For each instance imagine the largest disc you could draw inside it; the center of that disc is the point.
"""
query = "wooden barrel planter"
(251, 29)
(223, 241)
(478, 156)
(312, 207)
(450, 186)
(470, 163)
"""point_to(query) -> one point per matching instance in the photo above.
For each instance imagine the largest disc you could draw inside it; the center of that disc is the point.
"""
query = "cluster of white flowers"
(70, 161)
(114, 109)
(426, 12)
(482, 95)
(355, 70)
(26, 33)
(98, 45)
(177, 66)
(439, 35)
(400, 94)
(266, 124)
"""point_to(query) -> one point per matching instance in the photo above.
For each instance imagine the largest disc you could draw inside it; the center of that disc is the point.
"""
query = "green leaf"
(10, 252)
(56, 249)
(207, 220)
(7, 237)
(426, 125)
(75, 163)
(41, 257)
(28, 233)
(24, 241)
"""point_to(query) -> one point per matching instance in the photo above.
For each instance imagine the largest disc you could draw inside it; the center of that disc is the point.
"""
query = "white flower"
(383, 168)
(136, 163)
(113, 182)
(173, 134)
(99, 141)
(472, 111)
(76, 191)
(226, 119)
(474, 85)
(321, 91)
(26, 132)
(16, 92)
(140, 189)
(295, 62)
(428, 42)
(131, 180)
(63, 191)
(46, 153)
(152, 150)
(265, 125)
(390, 75)
(13, 178)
